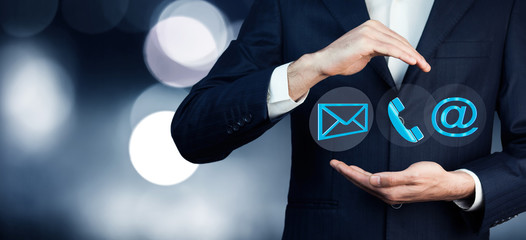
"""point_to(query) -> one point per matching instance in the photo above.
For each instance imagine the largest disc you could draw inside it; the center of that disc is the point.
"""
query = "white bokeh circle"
(36, 98)
(163, 68)
(154, 154)
(188, 42)
(194, 33)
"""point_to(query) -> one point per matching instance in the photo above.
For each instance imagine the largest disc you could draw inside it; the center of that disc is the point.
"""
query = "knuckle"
(365, 28)
(390, 51)
(373, 22)
(414, 176)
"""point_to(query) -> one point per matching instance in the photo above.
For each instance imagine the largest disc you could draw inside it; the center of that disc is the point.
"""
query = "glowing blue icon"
(460, 121)
(395, 107)
(357, 123)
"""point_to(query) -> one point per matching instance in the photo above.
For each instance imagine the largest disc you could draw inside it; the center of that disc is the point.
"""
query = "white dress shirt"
(407, 18)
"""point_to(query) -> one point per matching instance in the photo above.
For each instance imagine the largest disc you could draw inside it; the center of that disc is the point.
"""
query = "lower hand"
(420, 182)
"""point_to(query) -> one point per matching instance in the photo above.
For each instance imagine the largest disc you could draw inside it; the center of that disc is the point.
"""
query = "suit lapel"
(350, 14)
(444, 15)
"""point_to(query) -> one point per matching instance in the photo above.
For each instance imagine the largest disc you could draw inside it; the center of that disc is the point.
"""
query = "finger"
(386, 37)
(334, 163)
(392, 35)
(359, 179)
(360, 170)
(384, 29)
(424, 65)
(363, 184)
(386, 48)
(369, 190)
(401, 52)
(390, 179)
(376, 179)
(381, 32)
(350, 172)
(393, 195)
(383, 192)
(404, 45)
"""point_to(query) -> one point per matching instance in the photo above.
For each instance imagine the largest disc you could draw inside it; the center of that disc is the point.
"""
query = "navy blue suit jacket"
(478, 43)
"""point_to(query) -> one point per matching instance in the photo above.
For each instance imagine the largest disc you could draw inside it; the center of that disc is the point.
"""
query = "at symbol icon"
(460, 121)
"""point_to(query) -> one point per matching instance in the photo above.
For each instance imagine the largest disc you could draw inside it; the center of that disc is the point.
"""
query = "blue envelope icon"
(342, 119)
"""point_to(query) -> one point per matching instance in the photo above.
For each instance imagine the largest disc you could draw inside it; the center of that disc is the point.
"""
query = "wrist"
(303, 74)
(462, 185)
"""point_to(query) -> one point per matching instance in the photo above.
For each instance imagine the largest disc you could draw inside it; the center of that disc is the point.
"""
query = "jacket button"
(247, 118)
(240, 123)
(235, 127)
(229, 130)
(397, 206)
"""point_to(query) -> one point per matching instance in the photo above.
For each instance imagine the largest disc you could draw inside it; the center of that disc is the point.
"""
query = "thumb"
(388, 179)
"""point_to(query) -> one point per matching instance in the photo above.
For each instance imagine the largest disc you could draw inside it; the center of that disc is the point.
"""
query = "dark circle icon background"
(414, 98)
(342, 95)
(457, 91)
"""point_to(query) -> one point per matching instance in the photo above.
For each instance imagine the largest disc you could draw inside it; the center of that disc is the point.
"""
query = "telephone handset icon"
(395, 107)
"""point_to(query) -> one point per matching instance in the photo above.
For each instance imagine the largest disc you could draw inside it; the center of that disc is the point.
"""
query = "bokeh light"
(163, 68)
(153, 153)
(249, 192)
(122, 213)
(193, 33)
(94, 16)
(37, 98)
(188, 42)
(24, 18)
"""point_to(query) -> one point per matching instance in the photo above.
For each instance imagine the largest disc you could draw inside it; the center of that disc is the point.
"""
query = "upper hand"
(349, 54)
(420, 182)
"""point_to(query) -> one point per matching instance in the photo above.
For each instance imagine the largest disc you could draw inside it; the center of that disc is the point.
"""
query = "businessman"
(439, 185)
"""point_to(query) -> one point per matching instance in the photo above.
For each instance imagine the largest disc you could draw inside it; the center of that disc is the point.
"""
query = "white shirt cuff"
(278, 99)
(467, 205)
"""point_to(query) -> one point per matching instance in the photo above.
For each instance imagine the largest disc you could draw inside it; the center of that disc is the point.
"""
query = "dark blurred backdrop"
(87, 91)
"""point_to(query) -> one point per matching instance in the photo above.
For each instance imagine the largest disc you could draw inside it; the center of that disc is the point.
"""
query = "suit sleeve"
(228, 108)
(503, 174)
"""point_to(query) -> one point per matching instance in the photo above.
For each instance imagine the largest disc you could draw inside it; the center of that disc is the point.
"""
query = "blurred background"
(88, 89)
